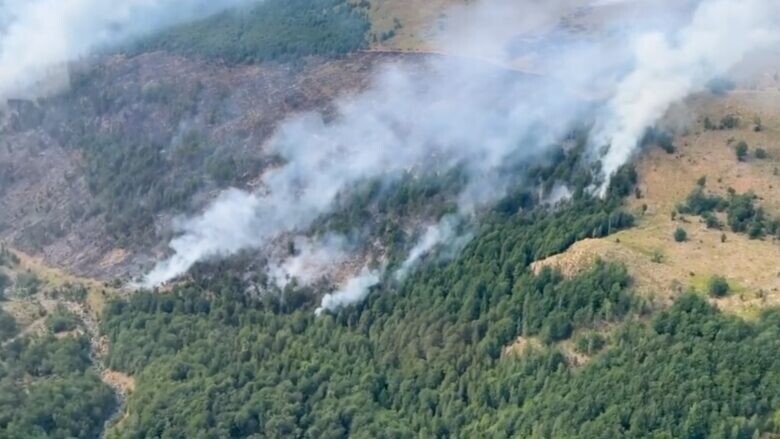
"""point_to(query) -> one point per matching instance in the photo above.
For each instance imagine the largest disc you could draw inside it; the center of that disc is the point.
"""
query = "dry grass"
(122, 381)
(420, 20)
(53, 278)
(522, 345)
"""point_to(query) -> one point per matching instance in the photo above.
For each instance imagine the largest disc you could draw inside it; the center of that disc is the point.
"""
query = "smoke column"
(38, 36)
(355, 290)
(668, 68)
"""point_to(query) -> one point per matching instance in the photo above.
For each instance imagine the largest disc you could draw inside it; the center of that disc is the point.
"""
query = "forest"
(273, 30)
(428, 359)
(48, 387)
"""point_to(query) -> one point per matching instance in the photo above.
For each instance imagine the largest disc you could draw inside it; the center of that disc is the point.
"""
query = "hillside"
(92, 179)
(395, 219)
(665, 268)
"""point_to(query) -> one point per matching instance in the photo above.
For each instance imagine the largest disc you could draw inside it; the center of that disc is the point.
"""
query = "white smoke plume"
(312, 260)
(482, 115)
(225, 228)
(445, 232)
(355, 290)
(669, 67)
(38, 36)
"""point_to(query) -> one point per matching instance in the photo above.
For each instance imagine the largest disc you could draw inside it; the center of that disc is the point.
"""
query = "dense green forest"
(48, 388)
(426, 358)
(280, 30)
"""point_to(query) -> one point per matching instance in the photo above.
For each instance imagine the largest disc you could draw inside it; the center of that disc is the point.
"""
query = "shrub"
(5, 282)
(27, 283)
(8, 327)
(741, 150)
(680, 235)
(61, 320)
(729, 122)
(711, 220)
(761, 153)
(718, 286)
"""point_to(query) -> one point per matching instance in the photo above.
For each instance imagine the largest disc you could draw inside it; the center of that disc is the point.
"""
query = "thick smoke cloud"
(38, 36)
(464, 111)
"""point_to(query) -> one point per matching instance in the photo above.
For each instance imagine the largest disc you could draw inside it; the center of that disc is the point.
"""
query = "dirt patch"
(119, 380)
(521, 345)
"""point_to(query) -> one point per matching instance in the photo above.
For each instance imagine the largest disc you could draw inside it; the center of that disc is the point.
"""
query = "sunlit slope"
(665, 268)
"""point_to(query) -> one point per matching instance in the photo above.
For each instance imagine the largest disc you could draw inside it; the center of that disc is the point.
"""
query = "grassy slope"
(665, 180)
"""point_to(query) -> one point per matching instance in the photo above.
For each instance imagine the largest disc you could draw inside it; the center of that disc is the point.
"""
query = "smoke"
(482, 115)
(38, 36)
(447, 113)
(229, 225)
(445, 232)
(312, 261)
(355, 290)
(668, 68)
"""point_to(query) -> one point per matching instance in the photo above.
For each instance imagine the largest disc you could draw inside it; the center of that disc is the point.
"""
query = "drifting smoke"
(355, 290)
(38, 36)
(449, 112)
(463, 111)
(669, 68)
(312, 260)
(445, 232)
(225, 228)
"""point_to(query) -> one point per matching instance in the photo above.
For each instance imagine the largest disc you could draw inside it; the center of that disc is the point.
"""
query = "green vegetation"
(427, 361)
(27, 283)
(366, 371)
(133, 179)
(5, 282)
(718, 286)
(589, 343)
(680, 235)
(741, 150)
(8, 327)
(729, 122)
(61, 320)
(47, 389)
(135, 176)
(742, 214)
(8, 258)
(661, 138)
(278, 30)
